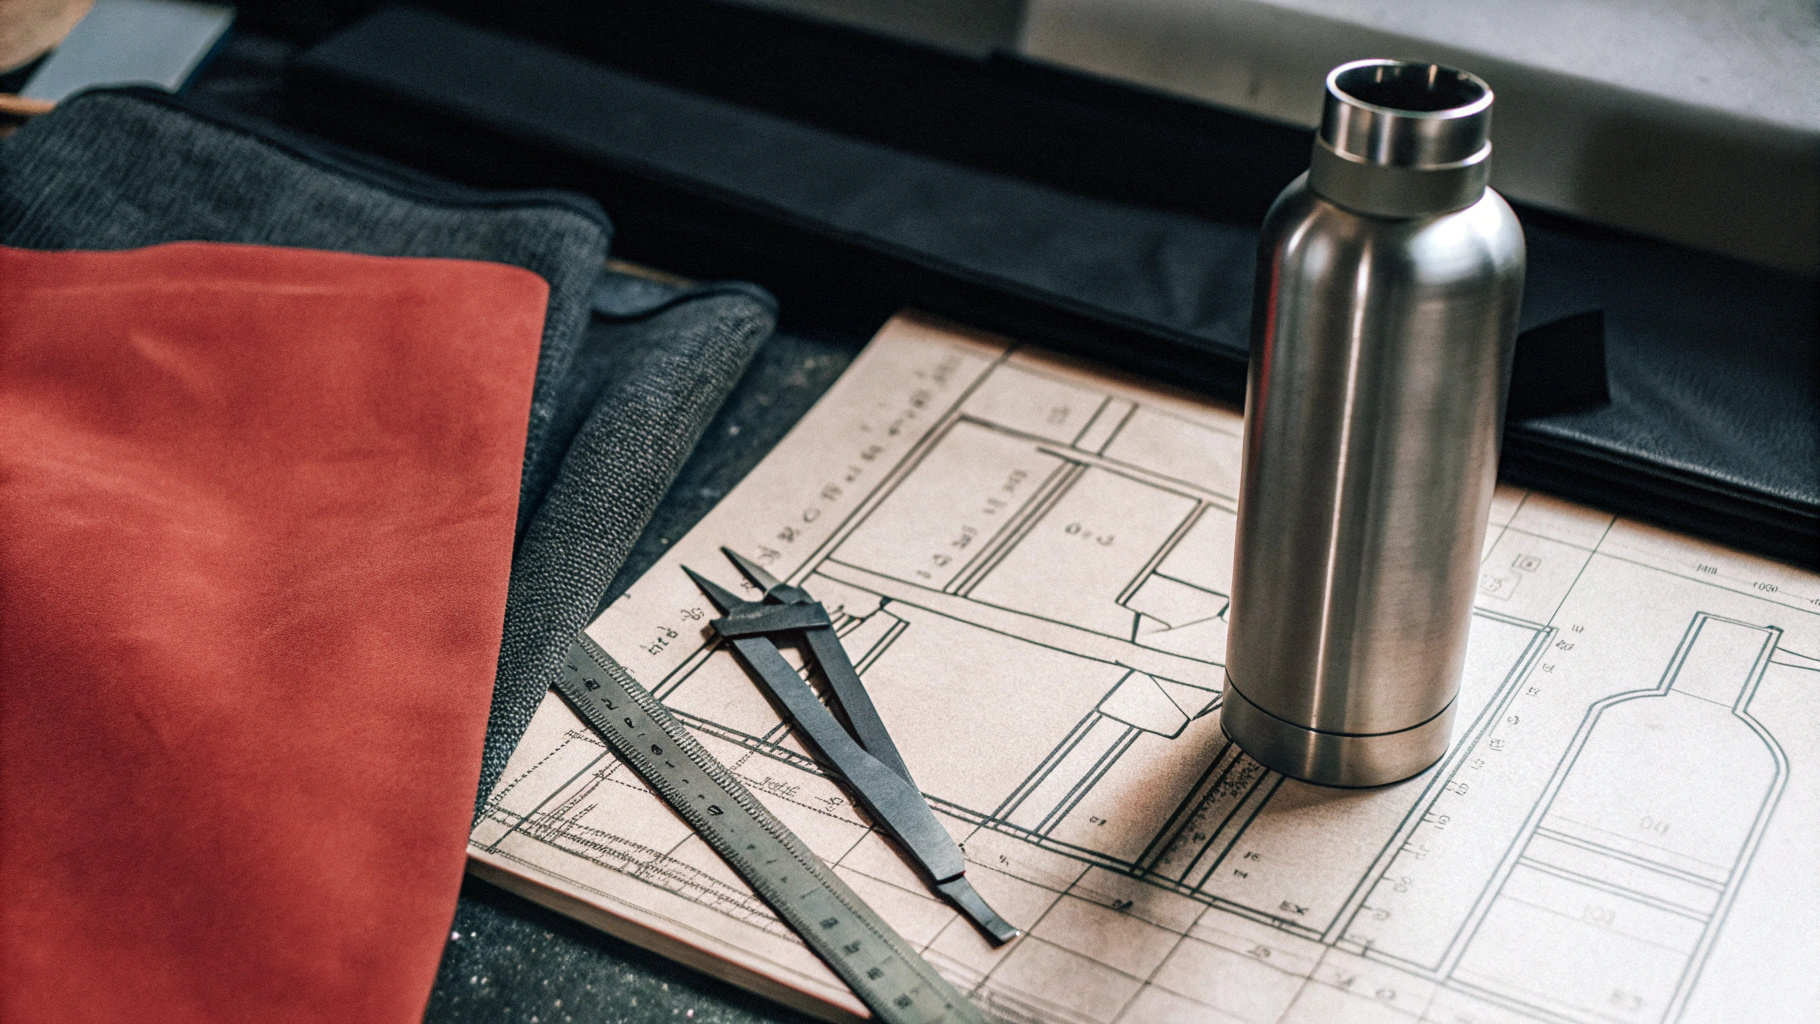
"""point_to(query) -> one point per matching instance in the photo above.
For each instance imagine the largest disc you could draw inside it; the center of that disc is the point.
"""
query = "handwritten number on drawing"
(1077, 530)
(664, 635)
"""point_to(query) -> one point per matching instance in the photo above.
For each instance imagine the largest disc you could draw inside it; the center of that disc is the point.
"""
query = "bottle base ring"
(1342, 760)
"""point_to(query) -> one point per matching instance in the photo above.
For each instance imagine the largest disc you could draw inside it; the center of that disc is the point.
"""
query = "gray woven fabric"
(618, 403)
(660, 377)
(123, 169)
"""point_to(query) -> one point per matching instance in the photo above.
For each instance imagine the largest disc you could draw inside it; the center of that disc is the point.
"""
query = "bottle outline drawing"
(1625, 870)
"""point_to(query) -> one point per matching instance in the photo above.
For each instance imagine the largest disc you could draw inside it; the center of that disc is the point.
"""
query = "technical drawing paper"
(1028, 561)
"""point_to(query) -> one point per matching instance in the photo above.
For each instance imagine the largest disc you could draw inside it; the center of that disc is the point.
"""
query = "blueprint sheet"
(1028, 560)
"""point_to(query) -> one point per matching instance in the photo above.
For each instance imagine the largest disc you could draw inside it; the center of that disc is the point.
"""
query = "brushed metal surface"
(1380, 360)
(1332, 758)
(1397, 114)
(1402, 140)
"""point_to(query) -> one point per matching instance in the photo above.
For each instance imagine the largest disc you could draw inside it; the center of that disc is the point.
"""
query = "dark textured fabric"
(125, 169)
(651, 381)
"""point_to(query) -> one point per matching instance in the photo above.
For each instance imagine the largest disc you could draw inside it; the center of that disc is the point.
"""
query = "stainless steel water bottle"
(1386, 310)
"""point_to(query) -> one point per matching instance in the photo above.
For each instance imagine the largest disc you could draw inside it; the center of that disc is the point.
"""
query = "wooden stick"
(16, 105)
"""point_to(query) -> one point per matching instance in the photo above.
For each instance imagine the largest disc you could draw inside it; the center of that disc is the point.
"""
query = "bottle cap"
(1403, 139)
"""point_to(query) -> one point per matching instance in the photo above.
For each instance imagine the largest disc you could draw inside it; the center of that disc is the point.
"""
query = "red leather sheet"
(256, 516)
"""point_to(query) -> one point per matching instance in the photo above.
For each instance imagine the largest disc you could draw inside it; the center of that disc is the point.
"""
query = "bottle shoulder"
(1303, 226)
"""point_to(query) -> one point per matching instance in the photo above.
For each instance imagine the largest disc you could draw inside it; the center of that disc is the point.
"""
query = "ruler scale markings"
(899, 986)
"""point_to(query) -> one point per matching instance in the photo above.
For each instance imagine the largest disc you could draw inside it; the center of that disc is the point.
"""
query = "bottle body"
(1381, 350)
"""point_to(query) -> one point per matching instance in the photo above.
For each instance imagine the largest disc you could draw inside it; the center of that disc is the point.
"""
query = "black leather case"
(831, 165)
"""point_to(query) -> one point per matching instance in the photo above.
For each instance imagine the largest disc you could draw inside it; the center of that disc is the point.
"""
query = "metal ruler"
(899, 986)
